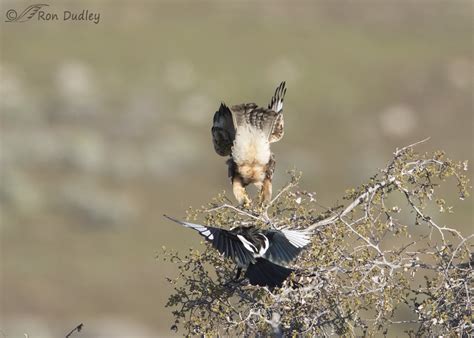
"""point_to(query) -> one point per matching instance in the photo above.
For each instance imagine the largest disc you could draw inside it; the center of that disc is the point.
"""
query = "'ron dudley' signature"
(40, 12)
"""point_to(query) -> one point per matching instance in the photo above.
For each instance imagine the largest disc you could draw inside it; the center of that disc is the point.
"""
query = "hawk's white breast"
(251, 146)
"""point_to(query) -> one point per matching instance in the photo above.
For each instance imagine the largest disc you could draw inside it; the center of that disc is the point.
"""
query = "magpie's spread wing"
(285, 245)
(224, 241)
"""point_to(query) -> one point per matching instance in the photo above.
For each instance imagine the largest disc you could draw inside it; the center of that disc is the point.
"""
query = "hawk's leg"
(266, 192)
(239, 191)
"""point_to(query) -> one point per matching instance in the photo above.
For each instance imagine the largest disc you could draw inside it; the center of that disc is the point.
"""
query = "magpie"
(263, 253)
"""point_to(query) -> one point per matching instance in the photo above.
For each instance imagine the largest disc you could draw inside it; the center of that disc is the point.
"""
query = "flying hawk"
(244, 132)
(263, 253)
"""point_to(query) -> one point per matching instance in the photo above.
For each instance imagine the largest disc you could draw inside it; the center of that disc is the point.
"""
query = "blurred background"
(105, 127)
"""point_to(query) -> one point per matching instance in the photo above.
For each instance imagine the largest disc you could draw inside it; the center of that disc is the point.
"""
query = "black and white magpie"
(262, 252)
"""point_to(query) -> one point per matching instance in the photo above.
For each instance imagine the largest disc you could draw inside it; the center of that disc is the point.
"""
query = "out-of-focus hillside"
(105, 127)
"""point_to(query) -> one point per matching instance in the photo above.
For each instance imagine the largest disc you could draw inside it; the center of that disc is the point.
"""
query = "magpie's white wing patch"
(247, 245)
(297, 238)
(264, 248)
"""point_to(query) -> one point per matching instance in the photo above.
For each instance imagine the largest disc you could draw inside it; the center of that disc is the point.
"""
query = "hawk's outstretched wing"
(276, 104)
(250, 114)
(223, 130)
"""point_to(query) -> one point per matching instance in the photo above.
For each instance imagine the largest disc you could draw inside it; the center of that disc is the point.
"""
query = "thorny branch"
(367, 261)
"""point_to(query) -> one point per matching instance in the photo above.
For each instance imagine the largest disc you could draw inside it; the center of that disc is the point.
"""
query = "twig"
(282, 190)
(78, 328)
(464, 240)
(399, 151)
(240, 211)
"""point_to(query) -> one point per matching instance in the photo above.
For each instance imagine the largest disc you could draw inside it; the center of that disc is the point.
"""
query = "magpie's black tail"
(266, 273)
